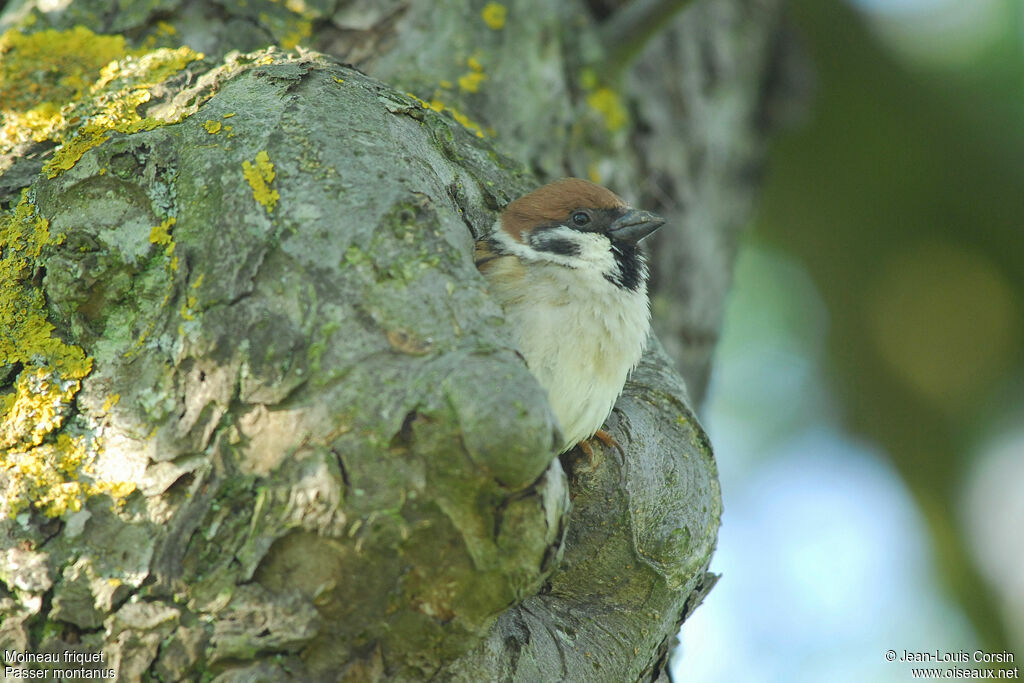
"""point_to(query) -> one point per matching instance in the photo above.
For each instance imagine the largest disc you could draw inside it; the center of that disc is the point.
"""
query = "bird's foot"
(587, 447)
(607, 439)
(588, 450)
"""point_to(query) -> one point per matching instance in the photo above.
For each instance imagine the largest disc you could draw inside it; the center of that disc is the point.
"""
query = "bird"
(564, 263)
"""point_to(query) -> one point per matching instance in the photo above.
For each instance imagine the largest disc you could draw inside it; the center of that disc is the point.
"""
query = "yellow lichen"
(605, 101)
(39, 72)
(57, 85)
(57, 478)
(160, 234)
(608, 104)
(41, 401)
(160, 36)
(122, 86)
(300, 31)
(188, 308)
(439, 106)
(259, 174)
(45, 467)
(470, 82)
(291, 29)
(25, 333)
(212, 127)
(494, 15)
(465, 121)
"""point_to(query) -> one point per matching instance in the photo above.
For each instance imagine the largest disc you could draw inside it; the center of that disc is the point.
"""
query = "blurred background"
(867, 405)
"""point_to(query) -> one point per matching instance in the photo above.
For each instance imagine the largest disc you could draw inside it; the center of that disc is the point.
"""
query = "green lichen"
(354, 256)
(161, 235)
(317, 348)
(396, 252)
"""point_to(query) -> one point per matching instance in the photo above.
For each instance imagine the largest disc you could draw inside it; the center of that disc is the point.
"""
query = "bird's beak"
(635, 225)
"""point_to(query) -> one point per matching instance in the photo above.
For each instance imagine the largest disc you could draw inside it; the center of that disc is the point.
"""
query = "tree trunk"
(261, 420)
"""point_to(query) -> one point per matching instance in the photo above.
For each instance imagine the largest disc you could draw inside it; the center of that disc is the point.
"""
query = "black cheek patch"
(562, 247)
(542, 241)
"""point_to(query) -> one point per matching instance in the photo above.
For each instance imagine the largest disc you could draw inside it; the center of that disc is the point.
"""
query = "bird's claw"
(587, 447)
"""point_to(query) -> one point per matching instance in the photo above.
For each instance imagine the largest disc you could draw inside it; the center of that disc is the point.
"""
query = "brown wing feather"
(496, 266)
(484, 254)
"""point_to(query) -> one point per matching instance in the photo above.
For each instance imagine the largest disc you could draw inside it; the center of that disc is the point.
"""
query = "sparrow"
(563, 262)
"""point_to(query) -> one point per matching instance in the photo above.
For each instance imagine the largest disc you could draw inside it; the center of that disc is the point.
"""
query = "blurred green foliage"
(903, 194)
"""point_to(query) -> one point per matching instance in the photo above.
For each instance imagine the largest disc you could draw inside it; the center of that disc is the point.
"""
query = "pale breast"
(580, 337)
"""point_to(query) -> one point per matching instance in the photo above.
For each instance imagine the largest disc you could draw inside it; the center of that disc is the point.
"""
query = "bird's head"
(576, 224)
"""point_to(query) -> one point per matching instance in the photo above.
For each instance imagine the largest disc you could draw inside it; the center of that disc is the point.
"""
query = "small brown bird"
(563, 262)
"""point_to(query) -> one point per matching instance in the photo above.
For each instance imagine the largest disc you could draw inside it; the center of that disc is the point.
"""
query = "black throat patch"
(632, 267)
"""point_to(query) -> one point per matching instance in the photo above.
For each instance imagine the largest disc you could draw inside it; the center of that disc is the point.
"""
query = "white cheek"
(595, 256)
(596, 250)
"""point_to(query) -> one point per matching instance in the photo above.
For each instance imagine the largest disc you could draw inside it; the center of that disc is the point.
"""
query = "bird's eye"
(580, 218)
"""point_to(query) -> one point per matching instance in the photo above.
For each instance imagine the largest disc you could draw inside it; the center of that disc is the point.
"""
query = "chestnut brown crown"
(553, 202)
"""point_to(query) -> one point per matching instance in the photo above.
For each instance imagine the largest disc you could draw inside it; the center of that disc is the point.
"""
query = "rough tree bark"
(261, 420)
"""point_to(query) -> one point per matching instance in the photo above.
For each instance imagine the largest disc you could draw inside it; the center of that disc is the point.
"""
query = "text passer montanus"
(563, 262)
